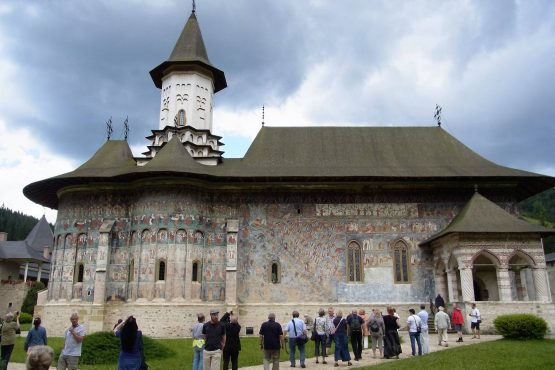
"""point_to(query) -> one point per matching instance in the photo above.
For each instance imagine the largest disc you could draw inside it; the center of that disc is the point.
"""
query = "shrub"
(520, 326)
(103, 348)
(25, 318)
(30, 300)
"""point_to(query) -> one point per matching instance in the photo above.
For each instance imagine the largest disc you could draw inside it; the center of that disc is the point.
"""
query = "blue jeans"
(413, 337)
(293, 342)
(197, 358)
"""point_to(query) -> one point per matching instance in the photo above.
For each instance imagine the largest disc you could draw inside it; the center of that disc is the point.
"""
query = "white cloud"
(25, 160)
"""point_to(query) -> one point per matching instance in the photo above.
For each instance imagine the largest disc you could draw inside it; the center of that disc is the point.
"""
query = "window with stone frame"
(181, 118)
(79, 272)
(275, 272)
(354, 262)
(161, 270)
(401, 260)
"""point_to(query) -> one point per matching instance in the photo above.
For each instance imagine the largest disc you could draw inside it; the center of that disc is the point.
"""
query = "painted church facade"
(310, 217)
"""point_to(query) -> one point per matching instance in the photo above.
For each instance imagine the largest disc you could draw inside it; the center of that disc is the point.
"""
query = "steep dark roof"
(30, 249)
(425, 155)
(189, 51)
(480, 215)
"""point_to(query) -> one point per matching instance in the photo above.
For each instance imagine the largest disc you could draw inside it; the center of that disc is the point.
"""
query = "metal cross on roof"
(194, 6)
(437, 115)
(109, 128)
(126, 128)
(262, 115)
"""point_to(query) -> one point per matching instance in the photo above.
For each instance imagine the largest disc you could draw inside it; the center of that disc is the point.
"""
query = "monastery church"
(310, 217)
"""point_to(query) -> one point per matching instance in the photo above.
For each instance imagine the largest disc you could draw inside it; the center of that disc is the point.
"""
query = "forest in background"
(17, 224)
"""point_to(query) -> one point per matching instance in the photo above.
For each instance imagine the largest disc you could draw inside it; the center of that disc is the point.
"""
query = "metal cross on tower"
(126, 128)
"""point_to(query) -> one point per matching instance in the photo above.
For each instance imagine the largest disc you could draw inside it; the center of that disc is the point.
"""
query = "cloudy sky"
(68, 66)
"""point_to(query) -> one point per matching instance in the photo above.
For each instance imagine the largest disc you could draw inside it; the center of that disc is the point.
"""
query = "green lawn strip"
(499, 354)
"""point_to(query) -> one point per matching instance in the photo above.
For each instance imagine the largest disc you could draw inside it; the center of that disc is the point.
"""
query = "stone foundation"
(176, 319)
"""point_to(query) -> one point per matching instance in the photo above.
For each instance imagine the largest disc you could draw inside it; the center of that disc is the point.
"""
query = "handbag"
(302, 338)
(314, 333)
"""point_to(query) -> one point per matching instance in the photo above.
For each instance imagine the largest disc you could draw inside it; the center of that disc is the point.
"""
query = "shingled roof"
(189, 51)
(480, 215)
(30, 249)
(312, 154)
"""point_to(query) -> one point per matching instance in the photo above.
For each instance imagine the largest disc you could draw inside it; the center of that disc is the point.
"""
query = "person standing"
(271, 341)
(365, 332)
(330, 317)
(321, 329)
(414, 325)
(439, 302)
(198, 342)
(232, 343)
(475, 321)
(35, 336)
(442, 323)
(131, 353)
(340, 336)
(73, 340)
(355, 324)
(7, 343)
(214, 335)
(391, 341)
(424, 336)
(376, 328)
(295, 331)
(458, 321)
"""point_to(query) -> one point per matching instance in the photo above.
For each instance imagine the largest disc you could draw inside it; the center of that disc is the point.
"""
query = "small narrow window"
(79, 272)
(275, 273)
(161, 270)
(354, 262)
(195, 276)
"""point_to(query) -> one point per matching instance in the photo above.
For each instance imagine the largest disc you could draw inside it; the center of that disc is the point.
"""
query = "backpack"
(374, 327)
(355, 323)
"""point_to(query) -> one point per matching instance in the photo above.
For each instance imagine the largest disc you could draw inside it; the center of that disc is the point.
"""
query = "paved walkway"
(367, 358)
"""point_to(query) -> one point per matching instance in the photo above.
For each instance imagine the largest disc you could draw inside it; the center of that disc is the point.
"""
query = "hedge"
(520, 326)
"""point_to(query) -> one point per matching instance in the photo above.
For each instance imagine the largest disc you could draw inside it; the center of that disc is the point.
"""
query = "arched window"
(195, 275)
(79, 272)
(275, 272)
(161, 270)
(181, 118)
(401, 262)
(354, 262)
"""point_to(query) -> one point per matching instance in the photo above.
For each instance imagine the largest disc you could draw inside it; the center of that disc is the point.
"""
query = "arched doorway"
(522, 279)
(454, 280)
(484, 272)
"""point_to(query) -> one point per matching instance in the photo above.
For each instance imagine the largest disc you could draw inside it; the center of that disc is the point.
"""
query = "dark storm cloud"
(489, 63)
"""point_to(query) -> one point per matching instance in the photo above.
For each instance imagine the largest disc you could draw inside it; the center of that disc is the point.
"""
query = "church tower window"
(401, 262)
(181, 118)
(354, 262)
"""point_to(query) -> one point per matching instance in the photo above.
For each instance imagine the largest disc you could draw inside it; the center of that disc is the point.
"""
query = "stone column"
(231, 263)
(39, 273)
(102, 258)
(188, 267)
(504, 284)
(467, 284)
(540, 282)
(26, 272)
(441, 284)
(180, 264)
(452, 286)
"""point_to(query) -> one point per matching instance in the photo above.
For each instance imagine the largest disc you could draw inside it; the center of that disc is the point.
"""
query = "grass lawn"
(501, 354)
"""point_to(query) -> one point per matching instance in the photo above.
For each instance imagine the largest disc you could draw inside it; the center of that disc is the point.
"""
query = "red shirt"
(457, 317)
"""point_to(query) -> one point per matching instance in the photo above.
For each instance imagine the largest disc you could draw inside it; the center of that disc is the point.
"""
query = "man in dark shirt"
(271, 341)
(214, 333)
(355, 323)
